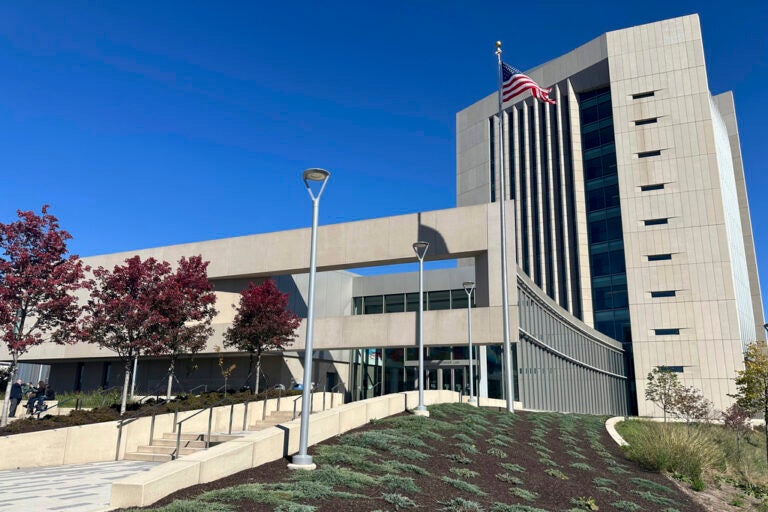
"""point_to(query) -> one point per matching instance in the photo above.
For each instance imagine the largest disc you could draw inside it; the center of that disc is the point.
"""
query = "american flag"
(516, 83)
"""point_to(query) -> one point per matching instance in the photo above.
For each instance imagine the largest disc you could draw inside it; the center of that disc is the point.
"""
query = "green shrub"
(335, 476)
(503, 507)
(398, 483)
(626, 505)
(512, 467)
(464, 486)
(395, 466)
(464, 472)
(398, 500)
(546, 461)
(655, 498)
(194, 506)
(602, 481)
(506, 477)
(583, 466)
(461, 505)
(463, 438)
(460, 458)
(556, 473)
(608, 490)
(524, 493)
(468, 448)
(649, 484)
(497, 453)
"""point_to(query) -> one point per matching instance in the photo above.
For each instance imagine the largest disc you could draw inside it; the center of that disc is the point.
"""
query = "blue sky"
(154, 123)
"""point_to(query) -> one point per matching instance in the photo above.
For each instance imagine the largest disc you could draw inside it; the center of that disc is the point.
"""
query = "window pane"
(373, 304)
(439, 300)
(394, 303)
(357, 306)
(412, 301)
(459, 299)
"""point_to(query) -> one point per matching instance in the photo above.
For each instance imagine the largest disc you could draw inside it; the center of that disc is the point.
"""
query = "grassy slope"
(461, 459)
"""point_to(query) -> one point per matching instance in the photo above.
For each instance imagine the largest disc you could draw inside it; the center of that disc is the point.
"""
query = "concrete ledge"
(144, 488)
(260, 447)
(610, 426)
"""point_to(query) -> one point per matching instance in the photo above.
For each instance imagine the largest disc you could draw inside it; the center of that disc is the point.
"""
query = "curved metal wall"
(564, 365)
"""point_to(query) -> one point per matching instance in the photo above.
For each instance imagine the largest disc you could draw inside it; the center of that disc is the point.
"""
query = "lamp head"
(420, 248)
(317, 176)
(468, 286)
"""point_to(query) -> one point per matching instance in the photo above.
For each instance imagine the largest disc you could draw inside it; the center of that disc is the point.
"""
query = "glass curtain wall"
(606, 239)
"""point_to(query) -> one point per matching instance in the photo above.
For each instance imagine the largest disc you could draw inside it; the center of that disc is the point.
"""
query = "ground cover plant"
(451, 462)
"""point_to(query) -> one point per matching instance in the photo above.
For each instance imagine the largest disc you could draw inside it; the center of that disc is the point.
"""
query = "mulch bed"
(554, 494)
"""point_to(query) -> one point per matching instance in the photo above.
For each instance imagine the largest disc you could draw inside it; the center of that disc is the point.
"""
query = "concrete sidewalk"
(76, 488)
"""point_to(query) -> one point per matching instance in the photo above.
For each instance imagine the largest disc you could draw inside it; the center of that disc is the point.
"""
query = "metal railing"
(126, 421)
(311, 402)
(266, 398)
(333, 393)
(204, 386)
(178, 425)
(46, 409)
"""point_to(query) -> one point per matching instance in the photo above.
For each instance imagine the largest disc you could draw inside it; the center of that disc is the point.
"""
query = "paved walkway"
(75, 488)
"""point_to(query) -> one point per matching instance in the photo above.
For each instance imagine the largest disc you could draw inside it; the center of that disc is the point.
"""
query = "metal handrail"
(373, 389)
(175, 455)
(55, 406)
(266, 397)
(204, 386)
(333, 391)
(311, 401)
(126, 421)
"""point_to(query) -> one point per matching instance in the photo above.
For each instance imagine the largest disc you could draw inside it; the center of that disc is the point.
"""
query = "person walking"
(16, 396)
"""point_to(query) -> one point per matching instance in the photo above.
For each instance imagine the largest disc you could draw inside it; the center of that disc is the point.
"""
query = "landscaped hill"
(460, 459)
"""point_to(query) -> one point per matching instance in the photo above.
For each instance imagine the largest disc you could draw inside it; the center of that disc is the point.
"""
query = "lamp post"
(420, 248)
(302, 460)
(469, 287)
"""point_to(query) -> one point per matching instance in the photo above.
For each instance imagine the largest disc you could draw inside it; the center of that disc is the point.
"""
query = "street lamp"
(420, 248)
(302, 460)
(469, 287)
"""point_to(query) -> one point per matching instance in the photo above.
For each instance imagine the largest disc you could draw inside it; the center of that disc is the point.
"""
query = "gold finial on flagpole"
(498, 47)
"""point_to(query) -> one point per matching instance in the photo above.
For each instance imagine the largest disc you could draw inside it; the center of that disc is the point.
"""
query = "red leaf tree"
(262, 323)
(186, 302)
(121, 313)
(38, 281)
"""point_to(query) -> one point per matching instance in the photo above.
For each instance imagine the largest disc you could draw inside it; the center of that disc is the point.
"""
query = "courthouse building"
(629, 248)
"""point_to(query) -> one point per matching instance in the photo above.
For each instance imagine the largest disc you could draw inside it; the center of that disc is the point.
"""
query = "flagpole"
(508, 384)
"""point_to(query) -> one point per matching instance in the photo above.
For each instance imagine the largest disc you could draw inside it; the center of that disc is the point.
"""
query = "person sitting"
(37, 398)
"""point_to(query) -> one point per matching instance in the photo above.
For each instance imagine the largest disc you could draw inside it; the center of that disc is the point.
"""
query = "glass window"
(373, 304)
(459, 299)
(394, 303)
(357, 306)
(663, 293)
(666, 332)
(659, 257)
(656, 222)
(439, 353)
(655, 186)
(412, 301)
(439, 300)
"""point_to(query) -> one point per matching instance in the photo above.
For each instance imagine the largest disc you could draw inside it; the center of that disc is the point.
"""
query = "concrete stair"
(272, 419)
(162, 449)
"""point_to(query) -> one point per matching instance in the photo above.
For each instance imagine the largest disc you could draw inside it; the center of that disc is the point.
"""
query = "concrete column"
(564, 201)
(551, 205)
